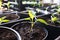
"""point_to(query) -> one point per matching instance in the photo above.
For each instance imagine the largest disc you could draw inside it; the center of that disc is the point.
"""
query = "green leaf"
(58, 22)
(0, 3)
(26, 18)
(32, 15)
(5, 21)
(8, 4)
(42, 21)
(58, 10)
(0, 19)
(53, 19)
(3, 17)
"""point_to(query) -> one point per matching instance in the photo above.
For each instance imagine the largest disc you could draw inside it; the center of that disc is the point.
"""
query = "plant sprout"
(8, 4)
(55, 18)
(58, 10)
(2, 19)
(0, 3)
(32, 16)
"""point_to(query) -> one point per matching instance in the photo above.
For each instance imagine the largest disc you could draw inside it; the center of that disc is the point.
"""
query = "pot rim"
(17, 34)
(42, 27)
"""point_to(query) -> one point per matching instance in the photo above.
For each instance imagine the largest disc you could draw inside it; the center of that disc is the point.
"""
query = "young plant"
(2, 19)
(8, 4)
(0, 4)
(58, 10)
(54, 18)
(32, 16)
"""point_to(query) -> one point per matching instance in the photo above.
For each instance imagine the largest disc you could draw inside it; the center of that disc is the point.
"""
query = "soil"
(11, 16)
(36, 34)
(7, 35)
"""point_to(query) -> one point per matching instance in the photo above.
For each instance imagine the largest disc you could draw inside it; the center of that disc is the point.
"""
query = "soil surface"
(25, 31)
(7, 35)
(11, 16)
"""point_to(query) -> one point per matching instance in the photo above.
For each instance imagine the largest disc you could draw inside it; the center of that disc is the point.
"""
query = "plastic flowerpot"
(37, 33)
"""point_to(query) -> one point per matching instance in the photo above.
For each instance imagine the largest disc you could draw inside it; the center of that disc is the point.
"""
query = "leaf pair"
(8, 5)
(54, 18)
(2, 19)
(0, 3)
(33, 15)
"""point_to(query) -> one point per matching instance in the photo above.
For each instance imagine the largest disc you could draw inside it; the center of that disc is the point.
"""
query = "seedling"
(54, 18)
(58, 10)
(32, 16)
(0, 4)
(2, 19)
(8, 4)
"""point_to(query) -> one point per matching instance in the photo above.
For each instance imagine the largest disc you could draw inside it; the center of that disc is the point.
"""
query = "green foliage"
(0, 3)
(58, 22)
(58, 10)
(32, 16)
(39, 20)
(54, 19)
(26, 18)
(42, 21)
(2, 19)
(8, 4)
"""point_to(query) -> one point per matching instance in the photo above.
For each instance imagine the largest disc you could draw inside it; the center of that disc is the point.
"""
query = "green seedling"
(2, 19)
(42, 21)
(54, 19)
(58, 10)
(8, 4)
(0, 3)
(32, 16)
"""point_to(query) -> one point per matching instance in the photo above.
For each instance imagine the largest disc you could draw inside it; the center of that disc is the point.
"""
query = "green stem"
(32, 25)
(0, 22)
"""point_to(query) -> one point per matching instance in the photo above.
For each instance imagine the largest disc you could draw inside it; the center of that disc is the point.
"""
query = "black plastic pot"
(25, 23)
(54, 31)
(7, 33)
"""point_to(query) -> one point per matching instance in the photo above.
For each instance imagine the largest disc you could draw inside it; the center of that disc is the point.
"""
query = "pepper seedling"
(55, 18)
(2, 19)
(32, 15)
(58, 10)
(8, 4)
(0, 4)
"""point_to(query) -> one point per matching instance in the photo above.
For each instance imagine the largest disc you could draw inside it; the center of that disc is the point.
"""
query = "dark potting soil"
(11, 16)
(7, 35)
(36, 34)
